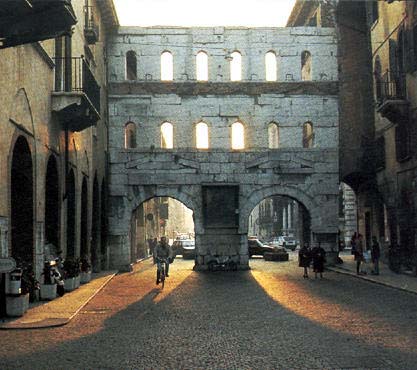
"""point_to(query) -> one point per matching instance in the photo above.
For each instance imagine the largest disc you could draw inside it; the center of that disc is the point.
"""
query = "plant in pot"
(49, 286)
(85, 266)
(17, 299)
(71, 274)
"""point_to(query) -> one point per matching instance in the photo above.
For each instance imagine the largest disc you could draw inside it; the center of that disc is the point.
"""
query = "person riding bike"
(162, 255)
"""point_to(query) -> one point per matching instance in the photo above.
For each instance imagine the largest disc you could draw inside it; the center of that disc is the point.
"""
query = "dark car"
(185, 247)
(256, 247)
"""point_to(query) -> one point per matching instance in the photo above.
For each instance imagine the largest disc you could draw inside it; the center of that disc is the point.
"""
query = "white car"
(288, 242)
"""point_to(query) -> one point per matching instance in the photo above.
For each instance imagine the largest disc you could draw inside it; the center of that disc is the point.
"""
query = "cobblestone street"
(266, 318)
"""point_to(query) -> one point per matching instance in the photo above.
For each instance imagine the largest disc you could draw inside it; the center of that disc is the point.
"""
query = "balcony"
(76, 98)
(91, 30)
(393, 103)
(27, 21)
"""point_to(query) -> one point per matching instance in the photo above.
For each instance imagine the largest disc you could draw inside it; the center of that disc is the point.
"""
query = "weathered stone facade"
(197, 176)
(32, 129)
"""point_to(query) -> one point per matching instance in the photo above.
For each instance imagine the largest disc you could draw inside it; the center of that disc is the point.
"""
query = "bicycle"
(161, 264)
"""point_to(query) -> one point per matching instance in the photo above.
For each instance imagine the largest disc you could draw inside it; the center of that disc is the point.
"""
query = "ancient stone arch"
(172, 192)
(257, 196)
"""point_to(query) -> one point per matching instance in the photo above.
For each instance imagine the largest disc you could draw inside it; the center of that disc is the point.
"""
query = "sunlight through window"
(270, 66)
(167, 135)
(236, 66)
(308, 135)
(238, 136)
(273, 136)
(202, 66)
(167, 66)
(130, 135)
(306, 66)
(202, 139)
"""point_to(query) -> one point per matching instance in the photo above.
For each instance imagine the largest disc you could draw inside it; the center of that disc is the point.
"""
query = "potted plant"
(85, 265)
(17, 301)
(71, 274)
(49, 286)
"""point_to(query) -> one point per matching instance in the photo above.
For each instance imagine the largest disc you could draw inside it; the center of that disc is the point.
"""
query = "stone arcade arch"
(71, 209)
(21, 203)
(52, 203)
(154, 218)
(257, 196)
(95, 232)
(84, 219)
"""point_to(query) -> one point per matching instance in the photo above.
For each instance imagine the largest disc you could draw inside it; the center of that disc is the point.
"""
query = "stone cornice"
(224, 88)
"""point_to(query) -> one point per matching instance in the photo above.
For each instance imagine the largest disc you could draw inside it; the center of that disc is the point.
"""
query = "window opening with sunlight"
(202, 139)
(167, 66)
(308, 135)
(238, 136)
(306, 66)
(130, 135)
(167, 135)
(202, 66)
(273, 136)
(270, 66)
(236, 66)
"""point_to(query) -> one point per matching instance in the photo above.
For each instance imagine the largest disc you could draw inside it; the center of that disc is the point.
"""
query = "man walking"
(375, 255)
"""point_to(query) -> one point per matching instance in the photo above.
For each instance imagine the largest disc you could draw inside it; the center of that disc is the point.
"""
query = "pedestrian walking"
(353, 241)
(359, 253)
(304, 259)
(375, 255)
(318, 255)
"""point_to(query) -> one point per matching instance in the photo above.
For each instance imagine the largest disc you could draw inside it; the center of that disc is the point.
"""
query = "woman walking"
(319, 258)
(304, 259)
(359, 253)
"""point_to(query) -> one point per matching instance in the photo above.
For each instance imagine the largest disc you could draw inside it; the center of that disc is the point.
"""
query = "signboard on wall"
(220, 206)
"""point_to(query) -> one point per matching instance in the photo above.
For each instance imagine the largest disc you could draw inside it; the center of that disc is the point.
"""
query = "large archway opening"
(52, 204)
(103, 226)
(95, 252)
(84, 220)
(278, 222)
(70, 214)
(158, 217)
(21, 192)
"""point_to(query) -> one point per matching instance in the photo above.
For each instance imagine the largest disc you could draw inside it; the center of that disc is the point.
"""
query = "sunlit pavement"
(266, 318)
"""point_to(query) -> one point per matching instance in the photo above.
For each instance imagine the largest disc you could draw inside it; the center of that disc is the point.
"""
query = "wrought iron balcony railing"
(392, 86)
(74, 75)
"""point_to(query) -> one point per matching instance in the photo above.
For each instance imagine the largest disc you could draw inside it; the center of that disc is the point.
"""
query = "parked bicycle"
(161, 269)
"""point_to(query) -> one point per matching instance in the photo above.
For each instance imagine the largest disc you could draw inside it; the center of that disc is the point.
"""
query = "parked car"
(256, 247)
(285, 242)
(185, 247)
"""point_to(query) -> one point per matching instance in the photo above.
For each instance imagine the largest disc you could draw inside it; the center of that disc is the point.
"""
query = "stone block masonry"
(195, 176)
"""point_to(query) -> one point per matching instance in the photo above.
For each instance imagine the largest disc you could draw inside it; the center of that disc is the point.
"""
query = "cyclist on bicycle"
(163, 254)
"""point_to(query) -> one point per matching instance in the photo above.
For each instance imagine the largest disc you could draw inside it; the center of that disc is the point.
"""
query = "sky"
(249, 13)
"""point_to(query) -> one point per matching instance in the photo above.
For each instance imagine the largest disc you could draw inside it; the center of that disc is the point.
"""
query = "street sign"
(7, 264)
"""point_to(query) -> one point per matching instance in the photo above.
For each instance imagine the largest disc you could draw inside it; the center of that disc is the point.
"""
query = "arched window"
(236, 66)
(167, 135)
(238, 136)
(273, 136)
(167, 66)
(378, 79)
(270, 66)
(202, 66)
(306, 66)
(131, 65)
(130, 135)
(202, 135)
(308, 135)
